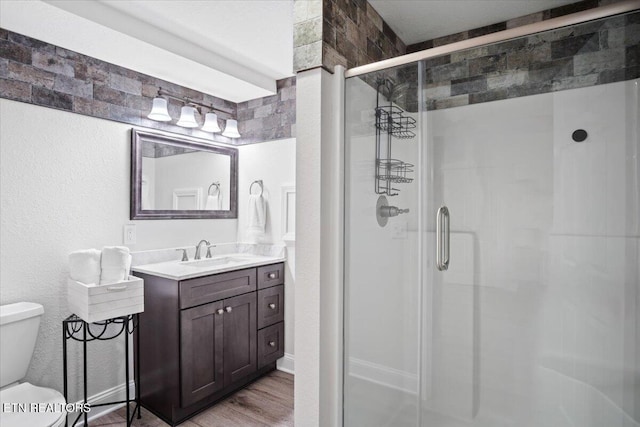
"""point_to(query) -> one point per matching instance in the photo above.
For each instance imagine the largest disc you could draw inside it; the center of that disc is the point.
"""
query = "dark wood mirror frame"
(139, 137)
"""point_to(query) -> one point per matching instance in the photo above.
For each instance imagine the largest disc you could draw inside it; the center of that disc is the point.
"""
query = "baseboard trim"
(383, 375)
(115, 394)
(287, 364)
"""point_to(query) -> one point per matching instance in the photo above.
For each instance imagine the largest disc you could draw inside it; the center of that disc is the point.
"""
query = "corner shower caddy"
(391, 122)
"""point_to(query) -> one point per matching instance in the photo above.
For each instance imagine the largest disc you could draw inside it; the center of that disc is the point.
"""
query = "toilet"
(24, 404)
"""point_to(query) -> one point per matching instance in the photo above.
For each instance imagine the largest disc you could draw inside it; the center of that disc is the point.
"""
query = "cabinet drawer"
(212, 288)
(270, 344)
(270, 306)
(270, 275)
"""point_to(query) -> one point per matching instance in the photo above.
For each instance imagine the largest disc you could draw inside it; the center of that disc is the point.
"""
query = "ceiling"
(233, 49)
(420, 20)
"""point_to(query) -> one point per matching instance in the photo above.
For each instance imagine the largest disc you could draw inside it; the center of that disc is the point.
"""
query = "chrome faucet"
(209, 246)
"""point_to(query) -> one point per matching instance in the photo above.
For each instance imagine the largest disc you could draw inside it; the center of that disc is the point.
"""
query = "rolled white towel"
(116, 263)
(84, 266)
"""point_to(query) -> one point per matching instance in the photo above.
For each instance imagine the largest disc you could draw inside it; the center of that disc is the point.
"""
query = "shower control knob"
(391, 211)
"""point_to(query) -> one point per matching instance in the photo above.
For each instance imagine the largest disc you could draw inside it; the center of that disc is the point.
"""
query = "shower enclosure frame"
(577, 18)
(500, 36)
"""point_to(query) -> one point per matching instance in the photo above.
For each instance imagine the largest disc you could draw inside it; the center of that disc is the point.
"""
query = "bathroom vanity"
(209, 328)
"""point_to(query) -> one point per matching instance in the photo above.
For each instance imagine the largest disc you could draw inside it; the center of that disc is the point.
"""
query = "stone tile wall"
(307, 34)
(593, 53)
(40, 73)
(269, 118)
(589, 54)
(341, 32)
(355, 34)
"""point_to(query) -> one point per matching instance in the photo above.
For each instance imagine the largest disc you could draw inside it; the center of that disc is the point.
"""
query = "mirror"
(179, 177)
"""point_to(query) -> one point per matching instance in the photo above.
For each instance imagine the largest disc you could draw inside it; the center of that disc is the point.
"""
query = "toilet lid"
(29, 405)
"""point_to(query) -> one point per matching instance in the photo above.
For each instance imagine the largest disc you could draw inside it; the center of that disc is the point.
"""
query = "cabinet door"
(240, 334)
(201, 360)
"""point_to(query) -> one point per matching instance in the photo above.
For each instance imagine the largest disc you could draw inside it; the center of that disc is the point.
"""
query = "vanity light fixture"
(211, 123)
(231, 130)
(159, 112)
(187, 117)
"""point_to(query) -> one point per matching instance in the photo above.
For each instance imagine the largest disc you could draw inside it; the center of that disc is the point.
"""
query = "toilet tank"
(19, 325)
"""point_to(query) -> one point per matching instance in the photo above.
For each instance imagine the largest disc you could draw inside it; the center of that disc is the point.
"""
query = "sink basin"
(181, 270)
(208, 262)
(214, 262)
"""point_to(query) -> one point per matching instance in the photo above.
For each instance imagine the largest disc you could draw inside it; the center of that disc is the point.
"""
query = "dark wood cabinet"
(240, 331)
(204, 338)
(201, 351)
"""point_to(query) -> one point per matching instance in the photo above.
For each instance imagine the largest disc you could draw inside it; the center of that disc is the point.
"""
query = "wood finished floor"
(266, 402)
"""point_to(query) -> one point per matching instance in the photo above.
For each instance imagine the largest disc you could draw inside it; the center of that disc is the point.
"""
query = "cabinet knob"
(220, 311)
(271, 275)
(228, 309)
(272, 343)
(272, 306)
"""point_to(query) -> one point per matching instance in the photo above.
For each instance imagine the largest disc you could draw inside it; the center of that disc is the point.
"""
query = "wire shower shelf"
(391, 119)
(391, 123)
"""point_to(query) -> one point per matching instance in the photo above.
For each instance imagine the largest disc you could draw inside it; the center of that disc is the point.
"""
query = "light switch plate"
(129, 236)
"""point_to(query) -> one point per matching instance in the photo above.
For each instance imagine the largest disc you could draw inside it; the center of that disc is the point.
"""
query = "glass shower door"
(536, 321)
(383, 249)
(492, 259)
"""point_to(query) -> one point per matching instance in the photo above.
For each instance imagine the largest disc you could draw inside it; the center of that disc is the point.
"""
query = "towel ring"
(215, 184)
(259, 182)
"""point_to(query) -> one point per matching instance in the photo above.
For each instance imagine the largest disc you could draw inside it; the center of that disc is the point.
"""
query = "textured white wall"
(273, 162)
(65, 186)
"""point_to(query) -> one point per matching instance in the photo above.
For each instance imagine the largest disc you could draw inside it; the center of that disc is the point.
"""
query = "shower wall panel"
(537, 320)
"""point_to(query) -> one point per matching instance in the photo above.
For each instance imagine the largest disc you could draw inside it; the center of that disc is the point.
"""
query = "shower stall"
(492, 234)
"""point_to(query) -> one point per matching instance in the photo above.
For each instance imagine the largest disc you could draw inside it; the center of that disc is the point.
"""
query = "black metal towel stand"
(77, 329)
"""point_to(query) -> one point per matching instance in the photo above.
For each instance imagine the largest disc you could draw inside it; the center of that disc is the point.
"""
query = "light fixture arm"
(186, 100)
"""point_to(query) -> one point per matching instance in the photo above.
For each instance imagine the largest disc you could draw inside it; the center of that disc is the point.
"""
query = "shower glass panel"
(383, 249)
(509, 293)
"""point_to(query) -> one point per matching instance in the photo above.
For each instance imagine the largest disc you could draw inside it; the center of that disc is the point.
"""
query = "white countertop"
(178, 270)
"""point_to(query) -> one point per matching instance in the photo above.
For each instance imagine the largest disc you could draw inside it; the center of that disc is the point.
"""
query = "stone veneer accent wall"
(307, 34)
(40, 73)
(593, 53)
(589, 54)
(341, 32)
(269, 118)
(355, 34)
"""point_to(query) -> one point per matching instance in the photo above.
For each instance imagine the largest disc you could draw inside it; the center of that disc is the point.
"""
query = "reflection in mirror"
(176, 177)
(179, 178)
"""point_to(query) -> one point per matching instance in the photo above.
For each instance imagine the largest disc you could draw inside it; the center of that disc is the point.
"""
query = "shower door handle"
(442, 239)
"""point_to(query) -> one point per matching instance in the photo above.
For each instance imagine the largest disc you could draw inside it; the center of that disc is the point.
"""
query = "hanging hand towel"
(84, 266)
(116, 263)
(257, 217)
